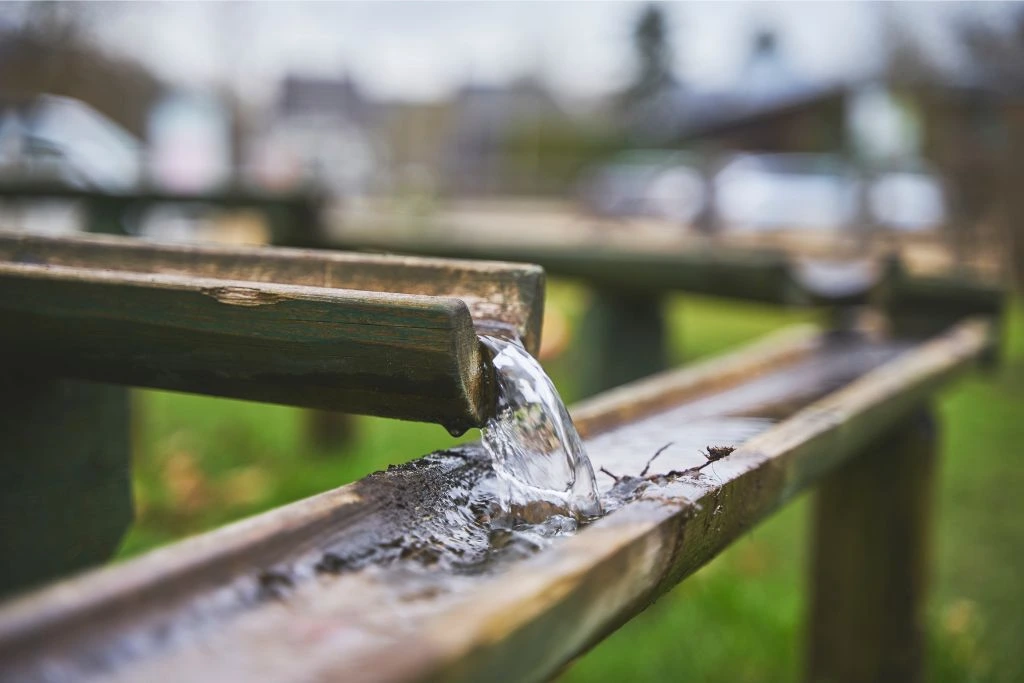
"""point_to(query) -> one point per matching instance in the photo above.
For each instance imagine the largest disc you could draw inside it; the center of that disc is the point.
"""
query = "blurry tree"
(650, 106)
(906, 60)
(963, 115)
(949, 140)
(654, 57)
(556, 151)
(997, 60)
(50, 51)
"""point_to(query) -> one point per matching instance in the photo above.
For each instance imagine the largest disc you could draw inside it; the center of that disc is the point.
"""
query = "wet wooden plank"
(497, 294)
(395, 337)
(569, 598)
(393, 355)
(654, 394)
(298, 594)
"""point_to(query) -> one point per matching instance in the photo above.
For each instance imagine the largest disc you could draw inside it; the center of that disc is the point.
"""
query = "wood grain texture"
(393, 355)
(161, 580)
(654, 394)
(202, 610)
(572, 596)
(756, 275)
(395, 337)
(498, 295)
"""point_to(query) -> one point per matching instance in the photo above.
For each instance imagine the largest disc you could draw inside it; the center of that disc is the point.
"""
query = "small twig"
(643, 472)
(713, 455)
(717, 453)
(610, 475)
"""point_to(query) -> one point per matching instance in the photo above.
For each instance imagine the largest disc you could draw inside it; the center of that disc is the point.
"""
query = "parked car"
(60, 139)
(909, 199)
(665, 185)
(786, 191)
(824, 192)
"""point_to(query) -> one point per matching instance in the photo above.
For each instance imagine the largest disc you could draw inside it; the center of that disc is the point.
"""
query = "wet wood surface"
(356, 583)
(395, 337)
(496, 293)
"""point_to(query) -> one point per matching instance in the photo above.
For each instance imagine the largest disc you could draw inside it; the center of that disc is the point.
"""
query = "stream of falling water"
(543, 470)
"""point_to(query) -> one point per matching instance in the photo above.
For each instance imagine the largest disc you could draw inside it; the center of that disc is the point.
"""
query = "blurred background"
(841, 128)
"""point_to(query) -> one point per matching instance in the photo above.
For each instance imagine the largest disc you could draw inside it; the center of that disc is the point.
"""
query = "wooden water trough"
(376, 335)
(625, 325)
(401, 577)
(389, 336)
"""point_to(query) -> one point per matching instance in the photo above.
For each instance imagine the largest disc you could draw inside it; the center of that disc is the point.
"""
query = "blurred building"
(190, 144)
(321, 133)
(484, 120)
(777, 152)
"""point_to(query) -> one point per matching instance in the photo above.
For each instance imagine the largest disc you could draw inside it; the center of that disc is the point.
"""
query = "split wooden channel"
(370, 581)
(629, 281)
(377, 335)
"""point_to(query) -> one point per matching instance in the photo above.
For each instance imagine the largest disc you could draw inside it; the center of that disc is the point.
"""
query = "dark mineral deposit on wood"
(397, 577)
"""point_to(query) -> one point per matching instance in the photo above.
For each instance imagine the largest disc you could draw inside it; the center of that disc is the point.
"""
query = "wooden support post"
(328, 430)
(624, 333)
(65, 485)
(870, 560)
(105, 215)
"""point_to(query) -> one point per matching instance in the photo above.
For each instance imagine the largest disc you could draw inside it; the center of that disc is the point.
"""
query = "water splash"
(543, 470)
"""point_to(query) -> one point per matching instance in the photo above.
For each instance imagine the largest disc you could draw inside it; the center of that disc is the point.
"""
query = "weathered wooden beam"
(393, 578)
(921, 306)
(869, 573)
(504, 295)
(756, 275)
(394, 355)
(661, 392)
(575, 594)
(372, 335)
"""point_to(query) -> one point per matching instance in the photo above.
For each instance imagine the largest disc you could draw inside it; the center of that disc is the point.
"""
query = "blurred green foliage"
(202, 462)
(552, 153)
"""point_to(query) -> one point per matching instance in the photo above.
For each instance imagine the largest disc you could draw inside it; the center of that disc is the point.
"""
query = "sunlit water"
(543, 470)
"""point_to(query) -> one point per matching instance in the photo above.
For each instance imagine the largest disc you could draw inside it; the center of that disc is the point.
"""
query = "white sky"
(423, 50)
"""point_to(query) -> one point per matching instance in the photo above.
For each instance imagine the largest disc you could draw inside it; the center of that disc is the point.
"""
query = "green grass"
(201, 462)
